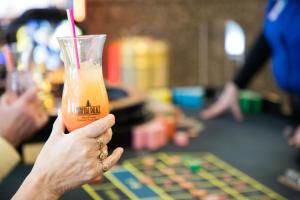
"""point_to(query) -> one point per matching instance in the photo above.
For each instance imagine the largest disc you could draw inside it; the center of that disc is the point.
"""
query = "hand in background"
(227, 101)
(22, 118)
(295, 140)
(69, 160)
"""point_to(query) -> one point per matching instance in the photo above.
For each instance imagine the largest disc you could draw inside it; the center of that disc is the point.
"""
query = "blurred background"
(163, 62)
(158, 54)
(157, 44)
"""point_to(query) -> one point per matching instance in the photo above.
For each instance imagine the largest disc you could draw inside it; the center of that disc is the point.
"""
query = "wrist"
(233, 85)
(40, 181)
(35, 187)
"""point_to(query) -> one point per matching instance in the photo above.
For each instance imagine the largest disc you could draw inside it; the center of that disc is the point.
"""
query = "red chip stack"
(152, 135)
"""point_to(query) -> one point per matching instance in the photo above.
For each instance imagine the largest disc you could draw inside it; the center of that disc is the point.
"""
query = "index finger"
(97, 128)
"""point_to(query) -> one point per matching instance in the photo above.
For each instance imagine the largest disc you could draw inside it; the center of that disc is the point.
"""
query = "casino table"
(255, 146)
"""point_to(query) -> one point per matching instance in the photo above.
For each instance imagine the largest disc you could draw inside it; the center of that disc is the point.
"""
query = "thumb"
(58, 126)
(29, 95)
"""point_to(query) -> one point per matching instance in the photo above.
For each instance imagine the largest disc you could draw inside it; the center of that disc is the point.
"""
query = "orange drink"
(84, 97)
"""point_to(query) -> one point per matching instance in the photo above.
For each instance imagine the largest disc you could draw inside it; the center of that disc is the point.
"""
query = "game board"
(170, 176)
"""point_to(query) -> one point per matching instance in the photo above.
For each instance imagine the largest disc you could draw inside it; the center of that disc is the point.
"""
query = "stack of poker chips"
(162, 129)
(151, 135)
(189, 97)
(186, 129)
(250, 102)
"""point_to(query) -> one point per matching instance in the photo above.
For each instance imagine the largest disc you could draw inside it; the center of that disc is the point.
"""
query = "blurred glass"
(17, 82)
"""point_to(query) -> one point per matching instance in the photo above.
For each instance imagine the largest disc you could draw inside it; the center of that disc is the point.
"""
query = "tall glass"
(84, 96)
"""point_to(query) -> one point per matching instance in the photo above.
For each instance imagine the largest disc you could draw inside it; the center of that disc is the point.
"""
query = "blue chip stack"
(188, 97)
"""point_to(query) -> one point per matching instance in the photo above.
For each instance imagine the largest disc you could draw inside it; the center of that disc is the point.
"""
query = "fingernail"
(112, 117)
(121, 149)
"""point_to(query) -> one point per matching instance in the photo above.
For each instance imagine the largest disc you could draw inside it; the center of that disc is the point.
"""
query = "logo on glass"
(88, 109)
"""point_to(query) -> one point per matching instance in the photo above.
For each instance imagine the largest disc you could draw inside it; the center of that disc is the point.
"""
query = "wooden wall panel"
(181, 23)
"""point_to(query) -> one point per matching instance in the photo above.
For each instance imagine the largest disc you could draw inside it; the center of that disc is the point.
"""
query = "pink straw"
(70, 13)
(9, 57)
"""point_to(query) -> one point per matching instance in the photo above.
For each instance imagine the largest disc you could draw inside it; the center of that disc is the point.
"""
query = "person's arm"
(19, 121)
(228, 100)
(295, 139)
(9, 158)
(255, 60)
(35, 187)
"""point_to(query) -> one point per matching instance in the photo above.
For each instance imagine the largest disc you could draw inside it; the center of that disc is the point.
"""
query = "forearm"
(255, 60)
(34, 188)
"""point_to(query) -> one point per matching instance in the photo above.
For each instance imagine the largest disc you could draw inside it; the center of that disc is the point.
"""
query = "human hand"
(22, 118)
(295, 139)
(70, 160)
(227, 101)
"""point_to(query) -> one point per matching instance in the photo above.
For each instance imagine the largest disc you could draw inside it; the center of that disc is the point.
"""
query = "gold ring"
(103, 155)
(100, 142)
(105, 167)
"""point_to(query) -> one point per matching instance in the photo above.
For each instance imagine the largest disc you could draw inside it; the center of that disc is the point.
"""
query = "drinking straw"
(70, 14)
(9, 58)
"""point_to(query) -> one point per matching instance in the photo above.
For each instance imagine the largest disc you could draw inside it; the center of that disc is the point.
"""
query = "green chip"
(194, 165)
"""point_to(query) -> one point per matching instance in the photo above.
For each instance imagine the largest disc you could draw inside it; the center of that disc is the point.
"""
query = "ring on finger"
(105, 166)
(103, 155)
(100, 142)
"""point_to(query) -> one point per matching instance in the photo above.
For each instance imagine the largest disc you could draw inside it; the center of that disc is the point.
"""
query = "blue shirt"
(282, 30)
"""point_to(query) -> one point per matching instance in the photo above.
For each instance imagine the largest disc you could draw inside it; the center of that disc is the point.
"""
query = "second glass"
(84, 96)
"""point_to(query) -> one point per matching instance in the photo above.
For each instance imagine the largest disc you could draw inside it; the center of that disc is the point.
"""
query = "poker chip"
(194, 165)
(212, 197)
(181, 139)
(199, 193)
(174, 160)
(216, 197)
(146, 180)
(178, 179)
(187, 185)
(223, 197)
(206, 164)
(149, 161)
(168, 171)
(227, 177)
(240, 185)
(167, 184)
(186, 173)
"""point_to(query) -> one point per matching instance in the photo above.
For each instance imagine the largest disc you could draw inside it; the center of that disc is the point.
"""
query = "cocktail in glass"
(84, 96)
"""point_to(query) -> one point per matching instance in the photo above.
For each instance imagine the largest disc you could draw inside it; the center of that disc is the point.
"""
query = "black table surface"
(255, 146)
